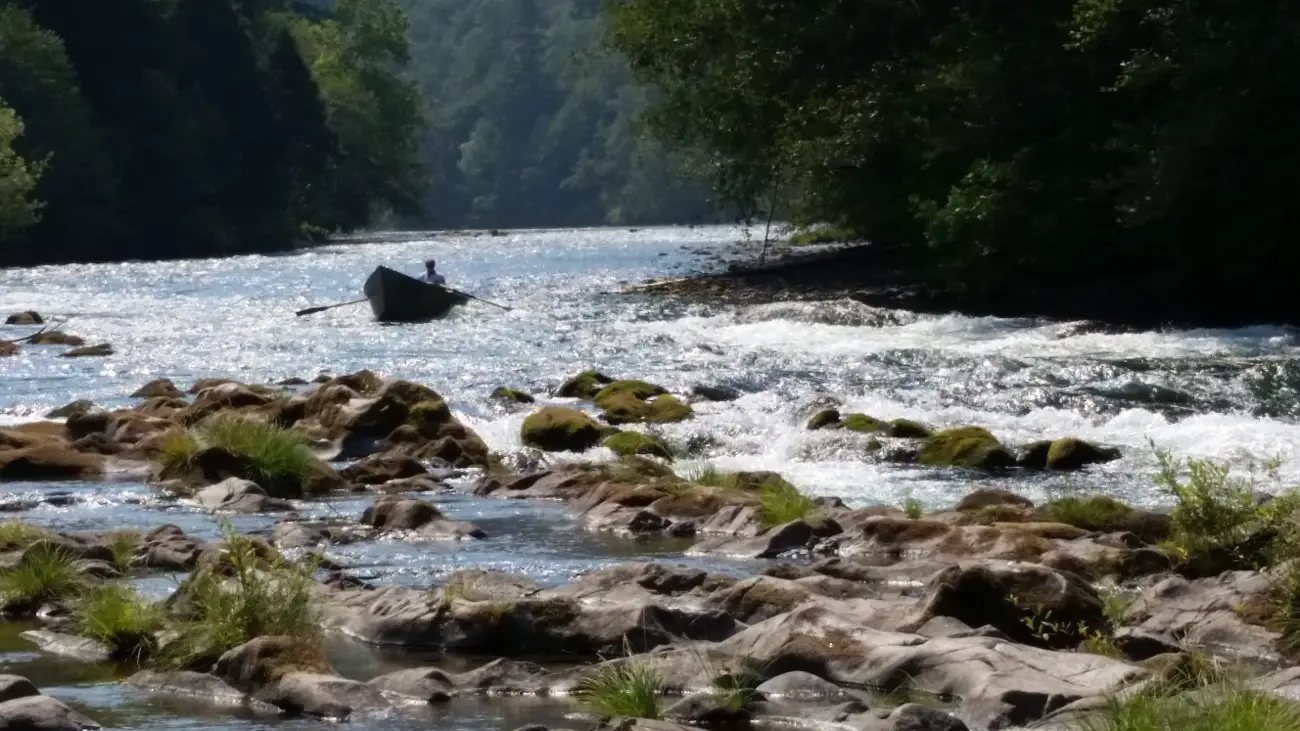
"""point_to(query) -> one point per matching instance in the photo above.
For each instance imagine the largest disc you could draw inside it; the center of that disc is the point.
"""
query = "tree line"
(172, 128)
(1125, 153)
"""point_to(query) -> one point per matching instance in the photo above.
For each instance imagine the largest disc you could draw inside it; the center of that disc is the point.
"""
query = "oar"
(314, 310)
(480, 299)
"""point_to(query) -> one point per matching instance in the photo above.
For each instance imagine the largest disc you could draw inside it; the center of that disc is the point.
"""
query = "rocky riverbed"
(816, 514)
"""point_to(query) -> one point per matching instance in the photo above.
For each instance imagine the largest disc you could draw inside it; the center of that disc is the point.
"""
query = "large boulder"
(626, 402)
(158, 387)
(398, 513)
(29, 317)
(584, 385)
(42, 713)
(291, 673)
(560, 429)
(513, 395)
(49, 462)
(234, 495)
(971, 446)
(380, 468)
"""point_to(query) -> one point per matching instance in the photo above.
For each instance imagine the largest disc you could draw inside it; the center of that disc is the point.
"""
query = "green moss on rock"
(639, 390)
(970, 446)
(558, 429)
(635, 443)
(1034, 455)
(624, 408)
(863, 423)
(825, 419)
(584, 385)
(505, 393)
(428, 416)
(1075, 454)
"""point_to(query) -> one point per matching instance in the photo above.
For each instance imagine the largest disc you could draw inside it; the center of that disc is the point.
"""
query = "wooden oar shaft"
(322, 308)
(480, 299)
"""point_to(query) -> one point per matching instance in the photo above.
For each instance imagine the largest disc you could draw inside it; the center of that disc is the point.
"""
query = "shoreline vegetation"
(1090, 613)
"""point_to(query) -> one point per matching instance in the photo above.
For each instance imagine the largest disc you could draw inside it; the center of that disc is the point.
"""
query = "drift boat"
(395, 297)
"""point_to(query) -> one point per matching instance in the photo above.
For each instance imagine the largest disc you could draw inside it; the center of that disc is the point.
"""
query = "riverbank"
(898, 278)
(995, 612)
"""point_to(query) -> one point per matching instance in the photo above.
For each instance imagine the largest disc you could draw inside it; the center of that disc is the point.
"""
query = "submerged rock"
(29, 317)
(825, 419)
(705, 392)
(158, 387)
(560, 429)
(584, 385)
(44, 713)
(504, 393)
(380, 468)
(101, 350)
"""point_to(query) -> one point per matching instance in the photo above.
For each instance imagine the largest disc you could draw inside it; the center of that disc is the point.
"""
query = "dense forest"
(164, 128)
(1125, 153)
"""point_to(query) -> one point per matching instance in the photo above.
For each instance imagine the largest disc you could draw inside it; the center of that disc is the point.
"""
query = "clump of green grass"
(706, 474)
(278, 459)
(738, 686)
(626, 688)
(123, 544)
(116, 616)
(17, 534)
(780, 503)
(46, 573)
(244, 596)
(913, 508)
(824, 235)
(1218, 709)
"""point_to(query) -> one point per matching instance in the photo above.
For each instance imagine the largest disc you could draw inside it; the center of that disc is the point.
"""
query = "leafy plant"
(913, 508)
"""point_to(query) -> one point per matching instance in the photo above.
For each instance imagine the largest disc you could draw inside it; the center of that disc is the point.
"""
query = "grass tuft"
(1217, 709)
(116, 616)
(627, 688)
(913, 508)
(177, 451)
(17, 534)
(276, 455)
(1094, 513)
(123, 544)
(781, 503)
(252, 597)
(46, 573)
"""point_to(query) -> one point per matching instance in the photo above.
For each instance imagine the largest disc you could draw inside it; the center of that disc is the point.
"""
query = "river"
(1225, 394)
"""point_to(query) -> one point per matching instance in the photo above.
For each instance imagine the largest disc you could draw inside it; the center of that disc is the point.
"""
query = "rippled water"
(1227, 394)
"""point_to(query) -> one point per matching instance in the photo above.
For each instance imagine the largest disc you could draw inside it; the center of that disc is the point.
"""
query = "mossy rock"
(1075, 454)
(825, 419)
(584, 385)
(907, 429)
(559, 429)
(624, 408)
(505, 393)
(971, 446)
(639, 390)
(428, 416)
(1033, 456)
(56, 337)
(635, 443)
(863, 423)
(30, 317)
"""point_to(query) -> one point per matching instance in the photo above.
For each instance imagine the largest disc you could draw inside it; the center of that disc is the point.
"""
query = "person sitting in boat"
(431, 275)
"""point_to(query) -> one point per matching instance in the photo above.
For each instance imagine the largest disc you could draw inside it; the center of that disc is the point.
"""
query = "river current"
(1223, 394)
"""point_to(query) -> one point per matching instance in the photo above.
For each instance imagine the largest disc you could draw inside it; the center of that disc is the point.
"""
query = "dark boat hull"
(395, 297)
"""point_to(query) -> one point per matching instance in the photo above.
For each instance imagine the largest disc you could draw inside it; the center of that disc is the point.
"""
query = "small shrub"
(46, 573)
(1221, 709)
(627, 688)
(1099, 643)
(913, 508)
(17, 534)
(1114, 605)
(116, 616)
(255, 597)
(781, 503)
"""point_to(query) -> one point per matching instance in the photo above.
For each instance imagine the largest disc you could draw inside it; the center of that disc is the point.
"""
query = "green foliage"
(46, 573)
(116, 616)
(626, 688)
(1218, 523)
(913, 508)
(124, 544)
(242, 597)
(1092, 513)
(18, 534)
(178, 450)
(18, 177)
(780, 503)
(905, 122)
